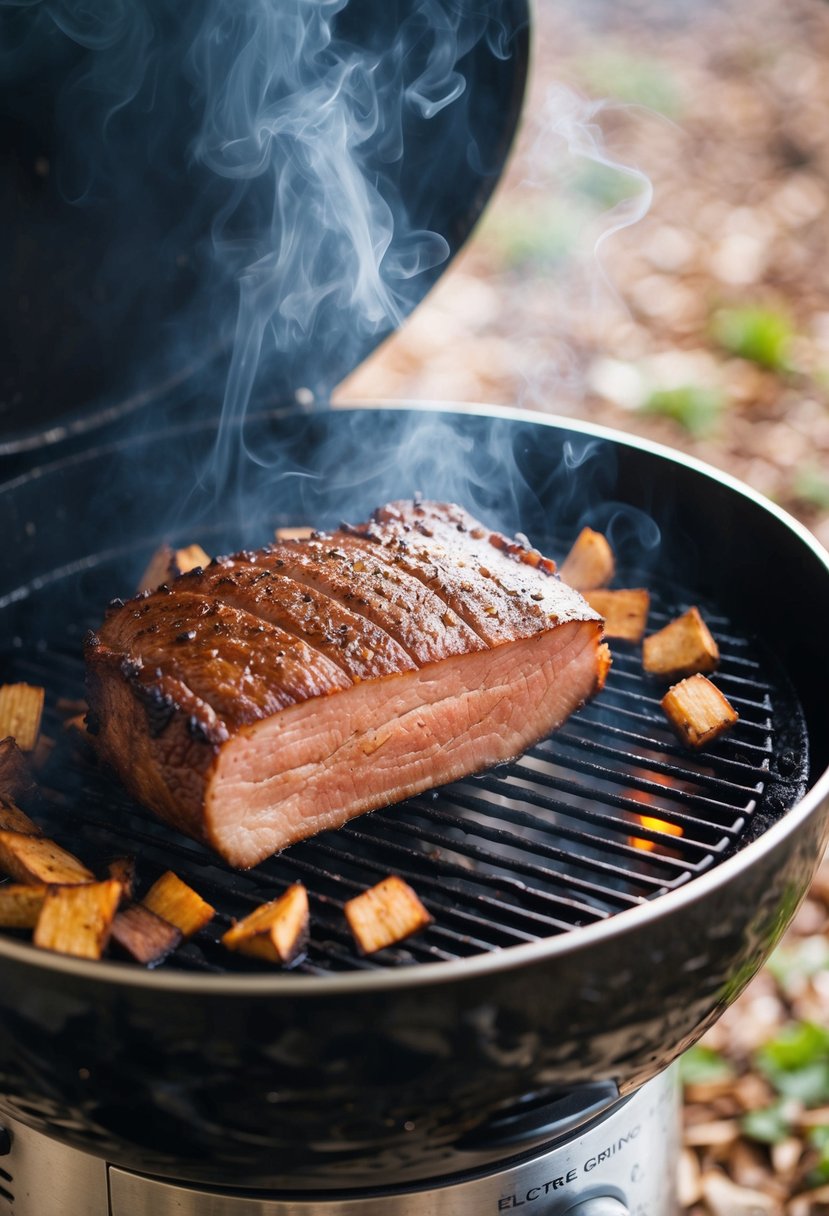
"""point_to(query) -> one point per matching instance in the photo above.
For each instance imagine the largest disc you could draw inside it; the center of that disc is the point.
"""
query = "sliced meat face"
(314, 767)
(279, 693)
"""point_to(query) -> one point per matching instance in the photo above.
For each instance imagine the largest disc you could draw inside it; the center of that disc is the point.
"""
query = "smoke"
(264, 188)
(569, 134)
(306, 125)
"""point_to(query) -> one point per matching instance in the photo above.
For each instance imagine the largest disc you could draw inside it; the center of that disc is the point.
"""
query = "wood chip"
(122, 869)
(625, 612)
(385, 914)
(21, 708)
(178, 904)
(159, 570)
(706, 1092)
(78, 920)
(30, 858)
(299, 533)
(190, 558)
(683, 648)
(16, 780)
(753, 1092)
(20, 904)
(604, 661)
(725, 1198)
(590, 562)
(277, 931)
(167, 564)
(785, 1156)
(714, 1133)
(12, 819)
(698, 711)
(689, 1181)
(143, 936)
(818, 1116)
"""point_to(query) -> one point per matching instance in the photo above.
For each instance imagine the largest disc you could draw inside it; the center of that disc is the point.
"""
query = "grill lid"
(139, 187)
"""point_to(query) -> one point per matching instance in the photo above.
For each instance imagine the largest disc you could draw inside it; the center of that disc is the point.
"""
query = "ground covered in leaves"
(698, 317)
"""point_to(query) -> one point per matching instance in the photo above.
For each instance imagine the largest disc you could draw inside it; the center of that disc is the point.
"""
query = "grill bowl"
(399, 1074)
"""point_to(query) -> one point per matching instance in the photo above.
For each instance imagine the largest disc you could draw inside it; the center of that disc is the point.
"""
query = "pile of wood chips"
(751, 1150)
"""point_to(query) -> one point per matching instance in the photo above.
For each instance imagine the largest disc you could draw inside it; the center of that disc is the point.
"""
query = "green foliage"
(704, 1066)
(519, 235)
(791, 964)
(605, 184)
(769, 1125)
(819, 1140)
(758, 334)
(811, 487)
(693, 406)
(796, 1046)
(635, 79)
(796, 1064)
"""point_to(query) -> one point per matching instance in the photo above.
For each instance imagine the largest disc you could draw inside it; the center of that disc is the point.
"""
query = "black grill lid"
(110, 211)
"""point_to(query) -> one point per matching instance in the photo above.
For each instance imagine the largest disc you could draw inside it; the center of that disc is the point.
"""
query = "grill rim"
(505, 959)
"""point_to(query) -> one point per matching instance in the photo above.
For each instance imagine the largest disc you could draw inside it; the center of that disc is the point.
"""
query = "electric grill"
(517, 1052)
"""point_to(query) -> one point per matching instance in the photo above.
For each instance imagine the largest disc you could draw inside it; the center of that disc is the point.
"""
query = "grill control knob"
(599, 1205)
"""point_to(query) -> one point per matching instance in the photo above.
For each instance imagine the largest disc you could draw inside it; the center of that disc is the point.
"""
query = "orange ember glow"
(652, 822)
(655, 825)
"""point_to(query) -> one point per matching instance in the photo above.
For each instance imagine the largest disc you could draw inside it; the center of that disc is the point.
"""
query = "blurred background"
(698, 317)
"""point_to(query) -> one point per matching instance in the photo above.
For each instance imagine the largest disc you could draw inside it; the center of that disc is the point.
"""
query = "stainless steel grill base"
(622, 1163)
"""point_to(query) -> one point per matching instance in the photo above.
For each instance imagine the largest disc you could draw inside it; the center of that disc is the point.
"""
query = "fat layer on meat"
(279, 693)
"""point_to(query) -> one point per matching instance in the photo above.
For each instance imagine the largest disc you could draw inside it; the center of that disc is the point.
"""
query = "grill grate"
(525, 851)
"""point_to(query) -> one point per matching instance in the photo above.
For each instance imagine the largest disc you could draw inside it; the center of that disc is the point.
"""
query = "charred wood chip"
(144, 936)
(590, 563)
(12, 819)
(385, 914)
(158, 570)
(683, 647)
(178, 904)
(301, 532)
(277, 931)
(698, 711)
(20, 904)
(605, 661)
(168, 563)
(122, 869)
(16, 780)
(78, 920)
(21, 708)
(33, 858)
(625, 612)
